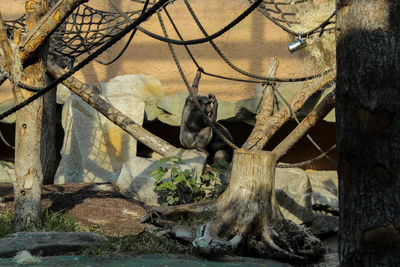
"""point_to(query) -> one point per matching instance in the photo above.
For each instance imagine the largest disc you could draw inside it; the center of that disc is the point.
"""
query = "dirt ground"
(98, 205)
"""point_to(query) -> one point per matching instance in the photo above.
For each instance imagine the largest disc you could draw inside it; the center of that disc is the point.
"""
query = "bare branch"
(267, 103)
(323, 108)
(274, 123)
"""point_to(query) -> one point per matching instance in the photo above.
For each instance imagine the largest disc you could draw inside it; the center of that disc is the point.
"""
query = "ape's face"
(205, 103)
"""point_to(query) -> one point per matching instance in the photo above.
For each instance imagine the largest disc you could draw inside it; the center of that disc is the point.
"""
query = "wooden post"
(28, 169)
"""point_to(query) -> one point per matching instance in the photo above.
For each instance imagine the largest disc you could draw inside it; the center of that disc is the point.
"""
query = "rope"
(126, 44)
(83, 63)
(192, 96)
(5, 141)
(172, 50)
(230, 64)
(19, 84)
(320, 28)
(293, 114)
(208, 38)
(216, 75)
(308, 162)
(188, 86)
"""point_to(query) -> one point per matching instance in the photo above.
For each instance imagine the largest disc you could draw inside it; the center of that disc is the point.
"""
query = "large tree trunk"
(248, 217)
(28, 169)
(368, 127)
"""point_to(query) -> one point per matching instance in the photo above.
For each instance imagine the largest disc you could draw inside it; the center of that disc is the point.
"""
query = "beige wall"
(249, 45)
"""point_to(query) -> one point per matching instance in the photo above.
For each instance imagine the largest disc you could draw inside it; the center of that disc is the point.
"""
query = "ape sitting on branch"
(196, 132)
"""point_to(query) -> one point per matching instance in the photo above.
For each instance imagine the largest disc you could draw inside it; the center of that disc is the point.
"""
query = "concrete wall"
(249, 45)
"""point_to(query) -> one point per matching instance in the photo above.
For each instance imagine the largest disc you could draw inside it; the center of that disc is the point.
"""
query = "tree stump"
(248, 220)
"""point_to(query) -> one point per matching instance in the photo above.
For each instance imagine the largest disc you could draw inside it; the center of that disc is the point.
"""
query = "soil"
(95, 205)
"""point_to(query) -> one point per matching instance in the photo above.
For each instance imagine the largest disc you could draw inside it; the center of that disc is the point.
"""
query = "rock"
(152, 111)
(7, 172)
(324, 190)
(246, 110)
(4, 106)
(62, 94)
(226, 110)
(172, 106)
(136, 182)
(48, 243)
(25, 257)
(293, 192)
(324, 224)
(95, 149)
(139, 84)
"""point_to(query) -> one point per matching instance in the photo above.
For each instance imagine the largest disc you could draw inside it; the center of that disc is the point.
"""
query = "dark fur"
(195, 132)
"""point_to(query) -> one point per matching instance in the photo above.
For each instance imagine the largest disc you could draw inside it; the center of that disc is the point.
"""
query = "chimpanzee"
(195, 131)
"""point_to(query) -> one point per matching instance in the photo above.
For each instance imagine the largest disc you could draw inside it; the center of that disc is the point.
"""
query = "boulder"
(48, 243)
(293, 192)
(4, 106)
(94, 148)
(136, 182)
(7, 173)
(172, 105)
(169, 109)
(62, 94)
(324, 190)
(140, 85)
(324, 224)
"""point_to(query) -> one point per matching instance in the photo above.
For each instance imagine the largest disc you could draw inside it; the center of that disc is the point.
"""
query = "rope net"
(88, 28)
(85, 30)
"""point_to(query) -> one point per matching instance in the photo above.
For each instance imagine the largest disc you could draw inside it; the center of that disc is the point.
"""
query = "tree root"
(248, 219)
(287, 242)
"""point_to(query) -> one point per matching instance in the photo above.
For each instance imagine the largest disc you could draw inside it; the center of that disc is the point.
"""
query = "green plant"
(58, 221)
(176, 186)
(6, 223)
(49, 221)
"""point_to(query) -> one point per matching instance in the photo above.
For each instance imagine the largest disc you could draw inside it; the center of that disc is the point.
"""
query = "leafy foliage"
(178, 186)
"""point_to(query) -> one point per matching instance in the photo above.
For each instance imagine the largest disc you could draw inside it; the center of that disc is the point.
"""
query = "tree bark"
(368, 127)
(267, 103)
(248, 219)
(28, 170)
(320, 111)
(267, 106)
(259, 137)
(40, 31)
(114, 115)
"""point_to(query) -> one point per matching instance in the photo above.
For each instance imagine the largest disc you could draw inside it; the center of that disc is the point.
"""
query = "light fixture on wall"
(300, 43)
